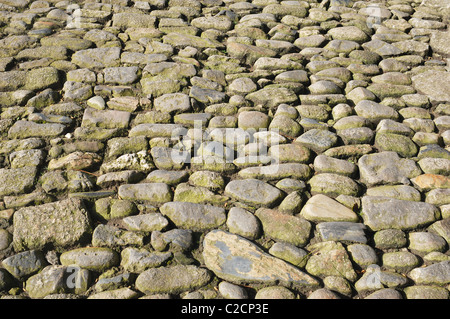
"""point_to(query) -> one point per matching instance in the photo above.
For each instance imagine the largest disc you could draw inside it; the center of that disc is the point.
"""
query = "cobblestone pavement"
(224, 149)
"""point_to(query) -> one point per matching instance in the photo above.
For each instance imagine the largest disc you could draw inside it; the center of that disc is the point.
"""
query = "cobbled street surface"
(224, 149)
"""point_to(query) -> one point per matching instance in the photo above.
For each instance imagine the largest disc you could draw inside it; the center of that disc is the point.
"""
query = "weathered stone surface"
(342, 231)
(25, 263)
(51, 280)
(330, 258)
(105, 118)
(146, 222)
(317, 140)
(97, 58)
(138, 260)
(386, 168)
(62, 224)
(287, 149)
(158, 193)
(113, 237)
(172, 279)
(333, 185)
(17, 180)
(26, 129)
(277, 171)
(91, 258)
(283, 227)
(173, 103)
(384, 213)
(434, 84)
(253, 192)
(194, 216)
(236, 259)
(321, 208)
(436, 274)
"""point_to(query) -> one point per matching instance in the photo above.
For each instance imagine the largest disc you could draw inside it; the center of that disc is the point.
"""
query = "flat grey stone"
(158, 130)
(24, 264)
(207, 96)
(438, 42)
(168, 177)
(243, 223)
(403, 261)
(108, 119)
(177, 240)
(277, 171)
(121, 75)
(238, 260)
(146, 222)
(137, 260)
(166, 158)
(97, 58)
(124, 20)
(342, 231)
(158, 193)
(25, 129)
(403, 192)
(113, 237)
(194, 216)
(386, 168)
(374, 279)
(426, 242)
(92, 258)
(374, 111)
(253, 192)
(175, 279)
(173, 103)
(119, 293)
(382, 48)
(183, 40)
(326, 164)
(317, 140)
(426, 292)
(333, 185)
(363, 255)
(386, 293)
(274, 292)
(434, 84)
(272, 96)
(436, 274)
(232, 291)
(290, 253)
(51, 280)
(384, 213)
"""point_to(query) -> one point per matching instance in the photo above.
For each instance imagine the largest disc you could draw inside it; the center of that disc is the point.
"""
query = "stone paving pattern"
(224, 149)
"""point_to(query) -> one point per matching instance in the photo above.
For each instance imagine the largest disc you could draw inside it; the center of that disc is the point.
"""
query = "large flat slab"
(238, 260)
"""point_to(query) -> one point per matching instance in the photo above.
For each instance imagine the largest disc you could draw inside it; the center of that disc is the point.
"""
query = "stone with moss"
(113, 237)
(175, 279)
(400, 144)
(158, 193)
(63, 223)
(96, 259)
(261, 268)
(211, 180)
(292, 229)
(253, 192)
(137, 260)
(194, 216)
(330, 258)
(197, 194)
